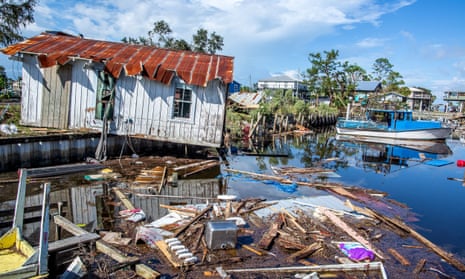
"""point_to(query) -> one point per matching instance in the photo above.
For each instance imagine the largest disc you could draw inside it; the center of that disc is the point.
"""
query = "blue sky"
(423, 39)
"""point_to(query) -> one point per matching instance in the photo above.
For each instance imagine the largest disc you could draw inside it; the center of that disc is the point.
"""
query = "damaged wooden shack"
(168, 96)
(344, 232)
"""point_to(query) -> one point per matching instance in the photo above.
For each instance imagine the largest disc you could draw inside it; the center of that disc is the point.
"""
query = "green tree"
(383, 72)
(14, 15)
(160, 36)
(321, 74)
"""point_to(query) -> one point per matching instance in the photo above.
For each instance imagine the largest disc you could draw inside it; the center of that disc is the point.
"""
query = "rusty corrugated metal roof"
(155, 63)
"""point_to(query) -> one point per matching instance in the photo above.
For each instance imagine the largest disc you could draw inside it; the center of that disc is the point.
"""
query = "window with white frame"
(182, 102)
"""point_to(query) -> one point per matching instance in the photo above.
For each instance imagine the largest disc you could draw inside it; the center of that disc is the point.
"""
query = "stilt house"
(70, 82)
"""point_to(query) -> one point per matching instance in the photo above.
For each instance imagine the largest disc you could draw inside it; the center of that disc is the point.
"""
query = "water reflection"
(385, 156)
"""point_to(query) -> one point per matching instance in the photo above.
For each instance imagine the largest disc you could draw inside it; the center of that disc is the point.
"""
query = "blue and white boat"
(393, 124)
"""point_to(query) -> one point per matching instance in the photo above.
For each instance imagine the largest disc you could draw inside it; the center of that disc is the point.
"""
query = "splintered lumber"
(283, 180)
(398, 256)
(251, 249)
(306, 252)
(163, 179)
(115, 253)
(101, 246)
(126, 202)
(270, 234)
(401, 225)
(294, 221)
(419, 266)
(193, 165)
(198, 216)
(146, 272)
(351, 232)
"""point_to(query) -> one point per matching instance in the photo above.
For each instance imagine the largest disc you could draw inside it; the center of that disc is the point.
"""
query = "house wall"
(31, 102)
(142, 107)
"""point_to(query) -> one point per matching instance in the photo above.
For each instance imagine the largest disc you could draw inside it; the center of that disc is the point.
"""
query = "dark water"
(426, 179)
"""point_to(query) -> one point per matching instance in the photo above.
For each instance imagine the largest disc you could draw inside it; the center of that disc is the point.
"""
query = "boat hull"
(423, 134)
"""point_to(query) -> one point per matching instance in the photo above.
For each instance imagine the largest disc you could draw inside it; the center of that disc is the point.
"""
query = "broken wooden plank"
(163, 180)
(202, 168)
(115, 253)
(192, 165)
(253, 250)
(71, 241)
(399, 257)
(126, 202)
(270, 234)
(306, 252)
(446, 256)
(146, 272)
(419, 266)
(203, 212)
(351, 232)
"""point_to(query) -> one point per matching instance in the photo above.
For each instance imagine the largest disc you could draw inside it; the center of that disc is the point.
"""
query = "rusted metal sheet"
(157, 64)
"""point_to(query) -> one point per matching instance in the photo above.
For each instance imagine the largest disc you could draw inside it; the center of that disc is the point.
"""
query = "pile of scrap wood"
(158, 176)
(279, 238)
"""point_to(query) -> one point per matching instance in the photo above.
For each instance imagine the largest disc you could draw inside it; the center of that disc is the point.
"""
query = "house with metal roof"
(283, 82)
(71, 82)
(365, 89)
(419, 99)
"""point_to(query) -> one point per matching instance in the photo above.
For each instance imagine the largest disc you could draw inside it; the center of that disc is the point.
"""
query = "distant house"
(454, 100)
(234, 87)
(366, 89)
(70, 82)
(285, 83)
(392, 97)
(419, 99)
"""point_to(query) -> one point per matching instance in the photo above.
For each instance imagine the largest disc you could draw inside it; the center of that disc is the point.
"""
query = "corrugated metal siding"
(161, 65)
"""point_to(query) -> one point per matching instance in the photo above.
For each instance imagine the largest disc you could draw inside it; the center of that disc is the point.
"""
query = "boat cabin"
(398, 119)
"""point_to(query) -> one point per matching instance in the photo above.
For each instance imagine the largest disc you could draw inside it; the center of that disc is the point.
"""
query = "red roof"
(155, 63)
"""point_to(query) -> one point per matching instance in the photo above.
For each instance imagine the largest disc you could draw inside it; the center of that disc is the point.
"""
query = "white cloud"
(371, 42)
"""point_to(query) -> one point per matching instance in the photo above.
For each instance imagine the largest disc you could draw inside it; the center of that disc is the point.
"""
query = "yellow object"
(14, 251)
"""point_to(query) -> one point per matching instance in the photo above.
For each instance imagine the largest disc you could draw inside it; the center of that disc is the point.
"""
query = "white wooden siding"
(142, 107)
(31, 102)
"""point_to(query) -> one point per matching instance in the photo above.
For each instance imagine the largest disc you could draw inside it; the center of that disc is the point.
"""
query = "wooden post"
(20, 197)
(44, 229)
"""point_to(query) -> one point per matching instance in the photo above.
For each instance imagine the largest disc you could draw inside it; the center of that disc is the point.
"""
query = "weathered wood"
(146, 272)
(398, 256)
(126, 202)
(183, 228)
(68, 225)
(163, 180)
(193, 165)
(114, 253)
(446, 256)
(202, 168)
(251, 249)
(294, 221)
(419, 266)
(306, 252)
(284, 180)
(183, 211)
(351, 232)
(269, 235)
(71, 241)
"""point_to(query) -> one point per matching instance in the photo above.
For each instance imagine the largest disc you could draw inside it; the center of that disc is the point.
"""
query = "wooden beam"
(183, 228)
(351, 232)
(146, 272)
(126, 202)
(115, 253)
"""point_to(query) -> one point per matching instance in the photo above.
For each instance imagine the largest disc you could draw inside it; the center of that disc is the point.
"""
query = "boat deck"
(11, 259)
